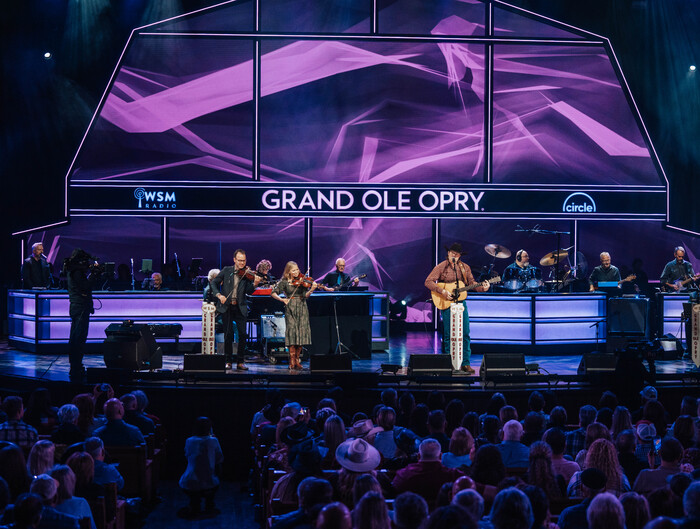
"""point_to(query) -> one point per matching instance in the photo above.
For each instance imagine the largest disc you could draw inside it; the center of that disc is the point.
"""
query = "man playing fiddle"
(452, 270)
(230, 287)
(339, 280)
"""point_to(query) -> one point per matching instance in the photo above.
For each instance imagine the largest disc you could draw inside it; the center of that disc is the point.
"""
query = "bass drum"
(512, 285)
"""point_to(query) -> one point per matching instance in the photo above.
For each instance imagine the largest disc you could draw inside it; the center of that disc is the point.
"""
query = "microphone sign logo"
(579, 203)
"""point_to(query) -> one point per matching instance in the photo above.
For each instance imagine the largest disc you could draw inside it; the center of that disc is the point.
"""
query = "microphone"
(42, 256)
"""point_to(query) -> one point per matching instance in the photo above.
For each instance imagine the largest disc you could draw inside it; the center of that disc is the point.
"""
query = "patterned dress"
(296, 314)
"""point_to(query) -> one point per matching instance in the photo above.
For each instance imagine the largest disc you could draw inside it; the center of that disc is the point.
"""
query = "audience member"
(13, 469)
(487, 467)
(648, 393)
(200, 481)
(40, 413)
(535, 404)
(511, 510)
(116, 432)
(539, 502)
(662, 502)
(46, 488)
(655, 413)
(27, 511)
(602, 455)
(83, 467)
(427, 475)
(691, 505)
(133, 416)
(371, 512)
(314, 494)
(460, 449)
(471, 501)
(142, 404)
(471, 422)
(333, 436)
(454, 413)
(66, 502)
(593, 482)
(334, 516)
(636, 510)
(407, 404)
(305, 461)
(630, 463)
(490, 426)
(14, 429)
(558, 418)
(67, 431)
(556, 439)
(621, 421)
(356, 457)
(513, 452)
(418, 421)
(533, 428)
(651, 479)
(684, 431)
(383, 440)
(541, 472)
(87, 422)
(41, 458)
(605, 512)
(507, 413)
(364, 484)
(576, 439)
(449, 517)
(104, 472)
(410, 511)
(4, 499)
(436, 429)
(594, 431)
(436, 400)
(646, 433)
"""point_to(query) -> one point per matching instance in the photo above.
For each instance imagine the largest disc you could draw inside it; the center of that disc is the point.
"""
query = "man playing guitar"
(339, 280)
(605, 273)
(678, 274)
(452, 270)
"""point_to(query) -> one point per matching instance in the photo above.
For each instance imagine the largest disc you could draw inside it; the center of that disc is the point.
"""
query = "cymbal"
(497, 251)
(552, 257)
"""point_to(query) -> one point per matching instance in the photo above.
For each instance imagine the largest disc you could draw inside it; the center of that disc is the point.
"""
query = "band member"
(603, 273)
(450, 271)
(677, 271)
(230, 287)
(521, 269)
(81, 276)
(298, 328)
(339, 280)
(157, 283)
(263, 269)
(36, 270)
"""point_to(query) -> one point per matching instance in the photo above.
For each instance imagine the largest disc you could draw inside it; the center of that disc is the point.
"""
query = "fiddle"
(247, 273)
(302, 281)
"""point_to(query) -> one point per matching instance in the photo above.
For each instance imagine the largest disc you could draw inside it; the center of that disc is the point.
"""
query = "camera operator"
(82, 273)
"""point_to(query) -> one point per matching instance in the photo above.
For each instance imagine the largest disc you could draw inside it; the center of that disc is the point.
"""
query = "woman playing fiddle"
(297, 289)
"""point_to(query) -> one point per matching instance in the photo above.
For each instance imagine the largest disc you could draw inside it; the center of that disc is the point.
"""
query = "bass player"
(452, 270)
(678, 274)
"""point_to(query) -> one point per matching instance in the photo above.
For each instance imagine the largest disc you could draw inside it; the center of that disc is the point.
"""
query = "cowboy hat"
(456, 247)
(361, 428)
(357, 455)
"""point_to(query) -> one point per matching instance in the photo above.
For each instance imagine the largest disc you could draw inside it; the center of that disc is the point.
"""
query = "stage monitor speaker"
(430, 364)
(341, 363)
(597, 364)
(131, 346)
(628, 317)
(502, 364)
(201, 363)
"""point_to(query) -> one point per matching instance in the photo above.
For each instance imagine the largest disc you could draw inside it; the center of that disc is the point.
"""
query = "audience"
(371, 512)
(14, 429)
(13, 469)
(636, 510)
(66, 502)
(67, 432)
(27, 511)
(104, 472)
(41, 458)
(410, 511)
(576, 439)
(83, 467)
(46, 488)
(134, 416)
(116, 432)
(556, 439)
(512, 510)
(605, 512)
(541, 471)
(460, 449)
(40, 413)
(651, 479)
(513, 452)
(334, 516)
(314, 494)
(602, 456)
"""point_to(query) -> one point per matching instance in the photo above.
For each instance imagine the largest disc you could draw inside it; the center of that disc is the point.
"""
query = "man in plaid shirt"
(15, 430)
(575, 441)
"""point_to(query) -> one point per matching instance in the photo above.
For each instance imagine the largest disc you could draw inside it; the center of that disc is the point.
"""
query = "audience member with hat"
(355, 457)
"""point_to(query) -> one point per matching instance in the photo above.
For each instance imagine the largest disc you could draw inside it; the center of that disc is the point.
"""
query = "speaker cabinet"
(628, 317)
(201, 363)
(131, 346)
(502, 364)
(330, 363)
(430, 364)
(597, 364)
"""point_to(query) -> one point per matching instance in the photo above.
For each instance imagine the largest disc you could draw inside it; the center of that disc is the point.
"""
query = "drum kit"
(560, 270)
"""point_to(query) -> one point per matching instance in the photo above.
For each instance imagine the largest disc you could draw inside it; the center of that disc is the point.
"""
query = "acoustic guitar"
(458, 294)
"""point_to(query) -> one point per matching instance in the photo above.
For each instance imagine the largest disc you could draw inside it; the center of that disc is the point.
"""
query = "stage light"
(403, 302)
(47, 55)
(692, 68)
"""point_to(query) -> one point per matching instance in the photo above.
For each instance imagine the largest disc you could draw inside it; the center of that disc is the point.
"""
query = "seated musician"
(605, 273)
(157, 283)
(339, 280)
(521, 270)
(678, 272)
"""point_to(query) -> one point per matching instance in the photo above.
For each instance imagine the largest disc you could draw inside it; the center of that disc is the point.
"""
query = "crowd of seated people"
(54, 462)
(436, 464)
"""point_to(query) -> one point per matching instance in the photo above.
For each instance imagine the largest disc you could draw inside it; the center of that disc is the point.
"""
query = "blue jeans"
(445, 315)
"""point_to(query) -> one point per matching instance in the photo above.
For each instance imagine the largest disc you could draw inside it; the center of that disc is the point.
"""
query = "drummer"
(523, 272)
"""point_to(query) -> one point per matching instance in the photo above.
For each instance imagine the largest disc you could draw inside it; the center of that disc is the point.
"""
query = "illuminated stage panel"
(506, 307)
(500, 333)
(560, 116)
(215, 239)
(179, 109)
(235, 16)
(111, 239)
(390, 251)
(371, 112)
(328, 16)
(571, 306)
(418, 17)
(518, 24)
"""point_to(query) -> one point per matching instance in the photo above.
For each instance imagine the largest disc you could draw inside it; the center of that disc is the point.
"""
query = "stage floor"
(55, 368)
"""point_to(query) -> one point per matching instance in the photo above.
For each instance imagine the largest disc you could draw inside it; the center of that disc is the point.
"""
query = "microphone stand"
(133, 280)
(558, 233)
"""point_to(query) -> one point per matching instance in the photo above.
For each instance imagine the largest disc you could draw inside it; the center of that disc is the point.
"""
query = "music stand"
(340, 347)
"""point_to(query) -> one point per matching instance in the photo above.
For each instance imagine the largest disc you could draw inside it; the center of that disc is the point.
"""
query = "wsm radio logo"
(579, 203)
(155, 199)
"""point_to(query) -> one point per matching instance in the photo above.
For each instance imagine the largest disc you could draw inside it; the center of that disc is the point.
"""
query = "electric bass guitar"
(342, 285)
(458, 294)
(681, 283)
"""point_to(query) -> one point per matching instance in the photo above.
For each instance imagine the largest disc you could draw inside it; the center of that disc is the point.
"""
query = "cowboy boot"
(291, 357)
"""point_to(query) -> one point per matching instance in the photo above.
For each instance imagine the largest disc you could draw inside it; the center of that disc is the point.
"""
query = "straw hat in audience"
(357, 455)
